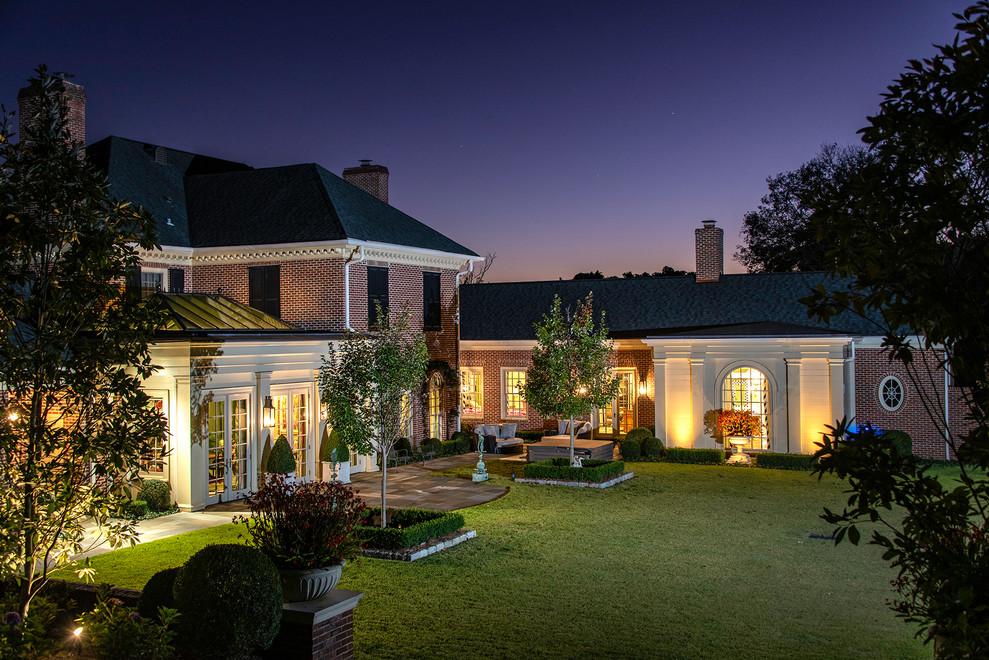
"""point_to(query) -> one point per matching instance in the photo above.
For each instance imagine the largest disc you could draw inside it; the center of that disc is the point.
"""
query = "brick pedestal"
(321, 628)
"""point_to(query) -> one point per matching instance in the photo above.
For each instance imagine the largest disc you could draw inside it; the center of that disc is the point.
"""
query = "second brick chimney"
(710, 246)
(372, 179)
(75, 101)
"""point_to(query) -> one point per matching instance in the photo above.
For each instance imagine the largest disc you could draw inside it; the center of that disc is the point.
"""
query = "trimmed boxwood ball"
(230, 598)
(901, 440)
(638, 434)
(432, 444)
(156, 493)
(631, 448)
(652, 447)
(462, 440)
(403, 443)
(157, 593)
(281, 460)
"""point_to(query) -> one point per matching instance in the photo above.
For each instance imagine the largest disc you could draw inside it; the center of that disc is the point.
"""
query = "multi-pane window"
(292, 421)
(746, 388)
(435, 404)
(512, 394)
(471, 392)
(264, 284)
(153, 462)
(151, 281)
(377, 292)
(432, 316)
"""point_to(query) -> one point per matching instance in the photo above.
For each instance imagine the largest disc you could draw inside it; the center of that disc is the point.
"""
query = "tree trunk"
(384, 487)
(571, 440)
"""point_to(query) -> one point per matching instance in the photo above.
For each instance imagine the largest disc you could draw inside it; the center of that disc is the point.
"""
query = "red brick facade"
(75, 101)
(491, 363)
(921, 400)
(709, 242)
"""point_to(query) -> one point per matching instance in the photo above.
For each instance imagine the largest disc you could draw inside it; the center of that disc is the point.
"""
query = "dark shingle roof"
(215, 203)
(159, 187)
(738, 305)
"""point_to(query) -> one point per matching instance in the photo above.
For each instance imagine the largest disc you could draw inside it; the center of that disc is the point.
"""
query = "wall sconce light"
(268, 413)
(643, 388)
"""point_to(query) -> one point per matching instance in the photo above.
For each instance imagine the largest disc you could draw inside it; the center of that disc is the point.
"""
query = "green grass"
(683, 561)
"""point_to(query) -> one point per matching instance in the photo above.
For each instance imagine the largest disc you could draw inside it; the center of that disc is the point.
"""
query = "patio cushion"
(485, 429)
(507, 431)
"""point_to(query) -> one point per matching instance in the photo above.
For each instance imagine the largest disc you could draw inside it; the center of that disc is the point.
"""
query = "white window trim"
(156, 271)
(479, 372)
(504, 395)
(882, 399)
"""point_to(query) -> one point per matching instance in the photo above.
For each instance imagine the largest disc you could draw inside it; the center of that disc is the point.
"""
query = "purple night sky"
(564, 137)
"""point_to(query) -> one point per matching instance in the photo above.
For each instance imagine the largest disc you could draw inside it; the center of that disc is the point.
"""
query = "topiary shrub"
(330, 448)
(432, 444)
(137, 509)
(230, 597)
(652, 430)
(281, 460)
(158, 592)
(639, 434)
(901, 440)
(652, 447)
(157, 494)
(403, 443)
(631, 448)
(462, 441)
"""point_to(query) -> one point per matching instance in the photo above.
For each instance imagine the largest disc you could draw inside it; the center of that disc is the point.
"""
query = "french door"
(293, 419)
(228, 457)
(618, 417)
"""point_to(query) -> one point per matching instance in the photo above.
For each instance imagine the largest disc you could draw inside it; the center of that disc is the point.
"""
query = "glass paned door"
(228, 456)
(619, 416)
(748, 389)
(292, 419)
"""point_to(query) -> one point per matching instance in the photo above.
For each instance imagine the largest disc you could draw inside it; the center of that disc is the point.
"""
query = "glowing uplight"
(77, 632)
(13, 416)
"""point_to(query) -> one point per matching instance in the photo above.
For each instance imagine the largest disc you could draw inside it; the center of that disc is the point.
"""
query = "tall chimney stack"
(372, 179)
(709, 241)
(75, 101)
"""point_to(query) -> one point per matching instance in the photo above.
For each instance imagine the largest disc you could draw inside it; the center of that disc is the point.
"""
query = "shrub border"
(430, 525)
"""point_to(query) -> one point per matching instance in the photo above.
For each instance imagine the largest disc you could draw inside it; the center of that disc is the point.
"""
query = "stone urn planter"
(738, 457)
(299, 585)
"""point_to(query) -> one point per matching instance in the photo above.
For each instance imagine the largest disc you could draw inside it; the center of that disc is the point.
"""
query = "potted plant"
(737, 427)
(335, 457)
(281, 460)
(307, 530)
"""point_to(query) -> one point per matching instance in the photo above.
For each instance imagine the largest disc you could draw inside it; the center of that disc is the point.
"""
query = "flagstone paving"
(408, 485)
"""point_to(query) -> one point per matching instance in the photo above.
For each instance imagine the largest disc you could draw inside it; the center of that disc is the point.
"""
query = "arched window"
(747, 388)
(435, 404)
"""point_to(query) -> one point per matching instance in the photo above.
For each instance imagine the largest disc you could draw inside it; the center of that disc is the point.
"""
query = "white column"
(837, 367)
(181, 460)
(697, 401)
(793, 404)
(659, 397)
(262, 438)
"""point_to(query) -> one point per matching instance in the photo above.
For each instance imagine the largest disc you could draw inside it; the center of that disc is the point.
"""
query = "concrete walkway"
(408, 485)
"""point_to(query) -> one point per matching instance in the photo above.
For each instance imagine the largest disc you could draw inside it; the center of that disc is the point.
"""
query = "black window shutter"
(432, 318)
(264, 289)
(176, 280)
(133, 283)
(377, 291)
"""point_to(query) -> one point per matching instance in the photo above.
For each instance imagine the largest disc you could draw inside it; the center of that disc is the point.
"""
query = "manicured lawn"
(682, 561)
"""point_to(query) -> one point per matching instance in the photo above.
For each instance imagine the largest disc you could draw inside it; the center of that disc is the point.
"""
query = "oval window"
(891, 393)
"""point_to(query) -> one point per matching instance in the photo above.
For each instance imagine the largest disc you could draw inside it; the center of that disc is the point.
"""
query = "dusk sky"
(563, 136)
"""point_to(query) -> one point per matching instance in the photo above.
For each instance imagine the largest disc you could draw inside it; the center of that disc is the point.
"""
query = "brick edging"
(625, 476)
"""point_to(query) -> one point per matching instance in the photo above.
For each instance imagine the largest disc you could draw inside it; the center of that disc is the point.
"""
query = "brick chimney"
(710, 245)
(372, 179)
(75, 101)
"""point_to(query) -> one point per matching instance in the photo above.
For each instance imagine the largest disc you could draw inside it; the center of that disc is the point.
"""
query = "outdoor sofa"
(498, 440)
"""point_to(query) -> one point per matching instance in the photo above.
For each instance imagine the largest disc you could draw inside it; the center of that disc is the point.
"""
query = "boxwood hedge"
(559, 468)
(407, 527)
(699, 456)
(784, 461)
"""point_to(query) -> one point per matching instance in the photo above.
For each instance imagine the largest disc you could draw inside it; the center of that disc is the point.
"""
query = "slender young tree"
(367, 387)
(74, 347)
(571, 372)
